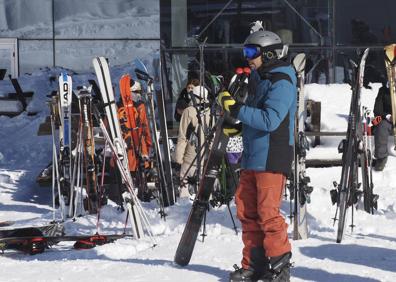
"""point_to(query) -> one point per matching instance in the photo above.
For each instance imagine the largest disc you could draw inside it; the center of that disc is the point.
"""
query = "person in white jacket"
(187, 141)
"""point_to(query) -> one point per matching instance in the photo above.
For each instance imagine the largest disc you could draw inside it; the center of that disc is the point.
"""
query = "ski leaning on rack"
(165, 190)
(136, 133)
(299, 182)
(164, 154)
(106, 89)
(163, 92)
(390, 65)
(208, 178)
(346, 192)
(89, 167)
(65, 100)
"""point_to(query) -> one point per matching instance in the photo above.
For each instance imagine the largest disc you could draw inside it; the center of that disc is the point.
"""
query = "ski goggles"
(251, 51)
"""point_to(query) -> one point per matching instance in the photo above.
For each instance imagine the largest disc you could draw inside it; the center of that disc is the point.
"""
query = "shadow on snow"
(324, 276)
(376, 257)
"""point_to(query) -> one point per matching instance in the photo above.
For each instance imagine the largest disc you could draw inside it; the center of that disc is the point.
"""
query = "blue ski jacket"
(268, 119)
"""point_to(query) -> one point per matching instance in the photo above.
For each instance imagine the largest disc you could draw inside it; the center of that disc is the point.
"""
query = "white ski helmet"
(136, 86)
(269, 43)
(201, 93)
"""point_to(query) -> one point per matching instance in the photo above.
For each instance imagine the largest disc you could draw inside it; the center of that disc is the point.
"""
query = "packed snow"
(366, 254)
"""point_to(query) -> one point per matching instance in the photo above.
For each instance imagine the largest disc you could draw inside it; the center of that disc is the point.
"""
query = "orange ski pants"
(258, 200)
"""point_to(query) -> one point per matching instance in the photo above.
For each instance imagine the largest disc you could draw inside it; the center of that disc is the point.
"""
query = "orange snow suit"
(258, 199)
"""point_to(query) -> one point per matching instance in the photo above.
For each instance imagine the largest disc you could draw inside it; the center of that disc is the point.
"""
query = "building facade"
(328, 31)
(70, 33)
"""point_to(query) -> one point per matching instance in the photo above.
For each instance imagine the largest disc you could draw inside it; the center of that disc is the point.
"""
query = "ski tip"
(6, 223)
(63, 75)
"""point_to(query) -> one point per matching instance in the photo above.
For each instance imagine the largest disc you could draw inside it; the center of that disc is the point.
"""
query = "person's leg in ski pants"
(264, 230)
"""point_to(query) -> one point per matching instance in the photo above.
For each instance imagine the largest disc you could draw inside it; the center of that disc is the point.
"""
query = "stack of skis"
(104, 149)
(356, 152)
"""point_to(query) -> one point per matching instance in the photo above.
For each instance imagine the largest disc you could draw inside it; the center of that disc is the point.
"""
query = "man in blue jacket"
(267, 119)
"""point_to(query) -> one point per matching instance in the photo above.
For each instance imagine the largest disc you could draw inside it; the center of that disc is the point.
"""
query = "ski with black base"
(209, 175)
(52, 229)
(38, 244)
(165, 190)
(161, 94)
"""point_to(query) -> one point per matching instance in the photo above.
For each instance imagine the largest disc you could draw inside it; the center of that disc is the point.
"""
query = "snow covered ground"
(368, 254)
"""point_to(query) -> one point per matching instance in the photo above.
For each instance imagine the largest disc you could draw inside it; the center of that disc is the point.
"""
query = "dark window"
(365, 22)
(222, 22)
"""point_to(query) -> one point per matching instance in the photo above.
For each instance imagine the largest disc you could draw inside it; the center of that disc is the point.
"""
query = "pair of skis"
(167, 195)
(354, 151)
(117, 145)
(136, 133)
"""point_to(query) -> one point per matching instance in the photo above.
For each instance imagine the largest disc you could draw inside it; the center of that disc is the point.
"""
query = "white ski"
(65, 100)
(300, 185)
(106, 89)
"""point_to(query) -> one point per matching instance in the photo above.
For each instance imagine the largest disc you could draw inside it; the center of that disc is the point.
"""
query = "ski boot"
(259, 264)
(243, 275)
(380, 164)
(278, 270)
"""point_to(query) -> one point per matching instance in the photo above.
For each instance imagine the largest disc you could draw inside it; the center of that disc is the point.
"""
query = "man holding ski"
(268, 121)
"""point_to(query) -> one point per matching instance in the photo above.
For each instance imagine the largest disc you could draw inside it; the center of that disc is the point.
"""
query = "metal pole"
(53, 32)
